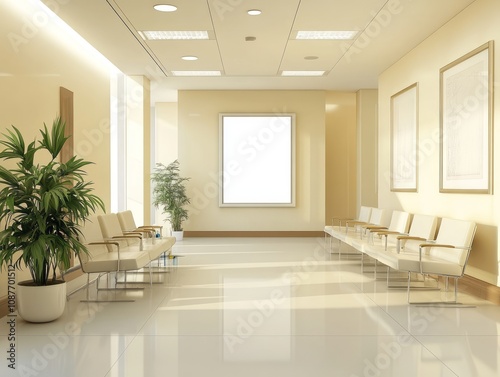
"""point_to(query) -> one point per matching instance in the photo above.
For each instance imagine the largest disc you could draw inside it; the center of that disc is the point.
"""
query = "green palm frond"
(41, 206)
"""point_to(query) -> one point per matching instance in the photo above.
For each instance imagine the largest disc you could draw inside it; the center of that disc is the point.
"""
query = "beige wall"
(340, 155)
(31, 72)
(367, 147)
(166, 145)
(198, 116)
(470, 29)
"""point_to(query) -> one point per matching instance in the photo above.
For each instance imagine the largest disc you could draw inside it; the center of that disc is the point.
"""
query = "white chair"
(447, 256)
(127, 223)
(422, 228)
(128, 226)
(378, 234)
(106, 257)
(340, 227)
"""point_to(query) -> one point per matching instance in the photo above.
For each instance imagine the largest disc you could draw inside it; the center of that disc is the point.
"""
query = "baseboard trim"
(258, 233)
(478, 288)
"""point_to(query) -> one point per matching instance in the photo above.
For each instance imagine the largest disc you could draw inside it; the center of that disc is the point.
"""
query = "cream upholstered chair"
(422, 229)
(377, 234)
(379, 219)
(127, 223)
(106, 257)
(111, 230)
(340, 227)
(447, 256)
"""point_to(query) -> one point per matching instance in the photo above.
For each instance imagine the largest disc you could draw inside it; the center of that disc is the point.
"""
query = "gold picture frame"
(466, 119)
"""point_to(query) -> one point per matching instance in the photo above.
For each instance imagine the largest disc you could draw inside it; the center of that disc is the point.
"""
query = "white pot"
(178, 234)
(41, 303)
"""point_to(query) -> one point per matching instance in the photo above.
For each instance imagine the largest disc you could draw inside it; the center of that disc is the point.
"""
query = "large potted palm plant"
(169, 194)
(41, 207)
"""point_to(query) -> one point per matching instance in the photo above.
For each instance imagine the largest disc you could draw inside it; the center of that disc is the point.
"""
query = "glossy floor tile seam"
(222, 312)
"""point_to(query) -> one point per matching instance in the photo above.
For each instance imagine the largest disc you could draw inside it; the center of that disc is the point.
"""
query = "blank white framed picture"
(257, 160)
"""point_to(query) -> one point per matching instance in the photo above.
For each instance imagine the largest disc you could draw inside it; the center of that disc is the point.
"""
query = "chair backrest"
(110, 227)
(457, 233)
(400, 221)
(423, 226)
(91, 232)
(380, 216)
(364, 214)
(126, 219)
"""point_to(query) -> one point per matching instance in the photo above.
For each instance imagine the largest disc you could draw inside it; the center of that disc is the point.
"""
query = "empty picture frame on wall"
(404, 139)
(257, 160)
(466, 100)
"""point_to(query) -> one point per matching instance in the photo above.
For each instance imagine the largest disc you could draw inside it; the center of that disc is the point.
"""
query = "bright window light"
(332, 34)
(173, 34)
(302, 73)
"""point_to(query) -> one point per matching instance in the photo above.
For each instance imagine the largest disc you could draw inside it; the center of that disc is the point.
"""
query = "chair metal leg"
(441, 304)
(88, 300)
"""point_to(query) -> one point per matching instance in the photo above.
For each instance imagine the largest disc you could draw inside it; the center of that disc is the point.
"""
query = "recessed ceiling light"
(311, 57)
(196, 73)
(189, 57)
(165, 8)
(254, 12)
(326, 34)
(173, 34)
(302, 73)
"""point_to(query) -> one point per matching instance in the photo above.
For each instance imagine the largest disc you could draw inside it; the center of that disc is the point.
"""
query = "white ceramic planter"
(41, 303)
(178, 234)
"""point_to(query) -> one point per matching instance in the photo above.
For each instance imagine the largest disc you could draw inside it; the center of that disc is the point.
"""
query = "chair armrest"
(125, 236)
(374, 227)
(388, 232)
(105, 243)
(436, 245)
(355, 222)
(406, 238)
(150, 226)
(139, 231)
(411, 238)
(110, 243)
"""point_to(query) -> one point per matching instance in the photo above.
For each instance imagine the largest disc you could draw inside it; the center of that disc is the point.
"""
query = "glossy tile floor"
(260, 307)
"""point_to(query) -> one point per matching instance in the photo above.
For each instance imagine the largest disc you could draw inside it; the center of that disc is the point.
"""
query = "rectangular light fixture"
(196, 73)
(302, 73)
(155, 35)
(326, 34)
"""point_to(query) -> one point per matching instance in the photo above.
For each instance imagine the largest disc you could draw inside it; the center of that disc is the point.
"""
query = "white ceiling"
(388, 29)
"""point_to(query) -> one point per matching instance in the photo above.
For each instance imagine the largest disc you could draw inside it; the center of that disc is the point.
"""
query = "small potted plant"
(41, 207)
(169, 194)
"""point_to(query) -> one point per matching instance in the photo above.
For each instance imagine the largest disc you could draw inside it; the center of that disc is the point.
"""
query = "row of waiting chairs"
(408, 243)
(115, 244)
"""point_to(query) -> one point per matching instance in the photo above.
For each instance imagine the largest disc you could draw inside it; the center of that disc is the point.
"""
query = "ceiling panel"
(171, 52)
(389, 30)
(297, 52)
(190, 14)
(271, 31)
(336, 15)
